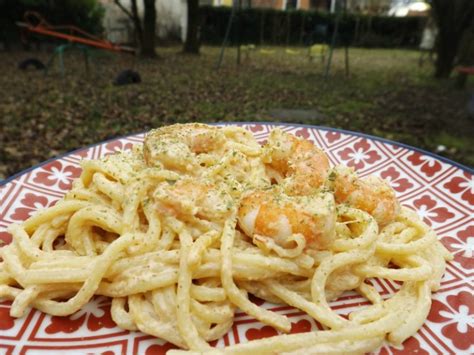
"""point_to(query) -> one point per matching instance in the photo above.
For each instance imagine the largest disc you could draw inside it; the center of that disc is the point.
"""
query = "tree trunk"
(453, 17)
(137, 24)
(135, 18)
(446, 50)
(447, 41)
(149, 33)
(192, 33)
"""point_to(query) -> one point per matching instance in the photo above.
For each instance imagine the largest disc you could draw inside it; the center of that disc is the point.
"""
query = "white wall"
(171, 20)
(116, 24)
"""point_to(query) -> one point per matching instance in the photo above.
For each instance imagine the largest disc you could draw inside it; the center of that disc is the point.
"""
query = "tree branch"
(138, 23)
(124, 9)
(133, 15)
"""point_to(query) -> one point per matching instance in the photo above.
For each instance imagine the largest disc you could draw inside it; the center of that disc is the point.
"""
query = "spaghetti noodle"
(179, 231)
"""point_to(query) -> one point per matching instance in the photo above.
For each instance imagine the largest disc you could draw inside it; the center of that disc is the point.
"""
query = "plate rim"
(263, 124)
(463, 167)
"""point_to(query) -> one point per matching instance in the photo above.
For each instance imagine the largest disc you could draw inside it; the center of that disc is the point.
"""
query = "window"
(313, 4)
(291, 4)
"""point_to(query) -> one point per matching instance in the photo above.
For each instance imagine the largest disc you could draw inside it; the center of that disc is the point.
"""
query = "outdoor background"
(274, 68)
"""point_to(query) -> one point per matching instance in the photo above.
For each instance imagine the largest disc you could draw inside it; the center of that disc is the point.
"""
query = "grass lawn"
(386, 95)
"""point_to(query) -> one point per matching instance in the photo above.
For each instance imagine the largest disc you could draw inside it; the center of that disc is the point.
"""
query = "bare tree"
(133, 16)
(191, 45)
(453, 17)
(145, 33)
(149, 29)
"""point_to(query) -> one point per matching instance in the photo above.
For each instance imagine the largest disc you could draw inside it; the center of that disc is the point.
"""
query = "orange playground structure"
(75, 37)
(35, 23)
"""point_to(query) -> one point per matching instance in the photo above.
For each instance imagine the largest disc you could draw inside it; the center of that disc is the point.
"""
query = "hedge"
(298, 27)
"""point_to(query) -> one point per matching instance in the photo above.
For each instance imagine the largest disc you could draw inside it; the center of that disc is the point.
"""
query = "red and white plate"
(441, 191)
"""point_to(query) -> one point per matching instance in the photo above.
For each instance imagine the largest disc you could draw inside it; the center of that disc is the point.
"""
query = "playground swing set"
(76, 38)
(83, 41)
(314, 50)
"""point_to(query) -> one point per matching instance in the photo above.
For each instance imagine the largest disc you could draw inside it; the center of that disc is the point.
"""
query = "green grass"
(386, 94)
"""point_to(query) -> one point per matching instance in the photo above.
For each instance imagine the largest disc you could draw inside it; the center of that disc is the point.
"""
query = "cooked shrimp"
(242, 140)
(188, 197)
(371, 194)
(175, 147)
(274, 214)
(301, 164)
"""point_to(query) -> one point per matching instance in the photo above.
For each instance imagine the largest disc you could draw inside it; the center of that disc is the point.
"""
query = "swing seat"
(291, 51)
(318, 50)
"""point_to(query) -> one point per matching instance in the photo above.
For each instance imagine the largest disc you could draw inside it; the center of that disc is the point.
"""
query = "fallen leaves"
(387, 95)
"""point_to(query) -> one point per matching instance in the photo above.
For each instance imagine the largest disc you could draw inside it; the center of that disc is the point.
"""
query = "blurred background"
(76, 72)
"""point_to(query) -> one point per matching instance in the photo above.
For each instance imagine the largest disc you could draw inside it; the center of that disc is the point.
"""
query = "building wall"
(273, 4)
(304, 4)
(117, 25)
(369, 6)
(268, 4)
(171, 20)
(222, 2)
(282, 4)
(322, 5)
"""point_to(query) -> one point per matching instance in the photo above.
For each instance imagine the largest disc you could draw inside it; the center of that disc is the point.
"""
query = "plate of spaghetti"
(257, 238)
